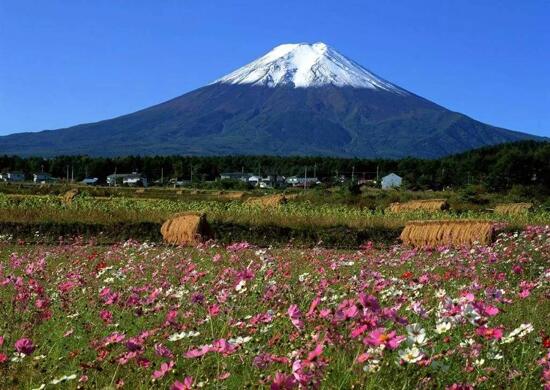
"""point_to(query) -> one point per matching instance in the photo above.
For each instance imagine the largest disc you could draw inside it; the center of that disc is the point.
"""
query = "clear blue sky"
(67, 62)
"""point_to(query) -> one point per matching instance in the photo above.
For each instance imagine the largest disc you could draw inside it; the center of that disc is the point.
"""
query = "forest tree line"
(498, 168)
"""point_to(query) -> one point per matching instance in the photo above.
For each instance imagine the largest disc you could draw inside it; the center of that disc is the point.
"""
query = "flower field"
(138, 315)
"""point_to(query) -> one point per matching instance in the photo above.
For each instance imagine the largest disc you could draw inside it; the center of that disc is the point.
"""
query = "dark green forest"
(497, 168)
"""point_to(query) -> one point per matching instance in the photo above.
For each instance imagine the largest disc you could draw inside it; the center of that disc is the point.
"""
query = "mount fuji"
(298, 99)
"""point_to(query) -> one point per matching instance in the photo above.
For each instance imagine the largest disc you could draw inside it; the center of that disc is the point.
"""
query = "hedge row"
(334, 237)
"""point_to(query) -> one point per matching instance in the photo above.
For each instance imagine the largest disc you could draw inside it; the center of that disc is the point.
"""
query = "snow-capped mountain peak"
(305, 65)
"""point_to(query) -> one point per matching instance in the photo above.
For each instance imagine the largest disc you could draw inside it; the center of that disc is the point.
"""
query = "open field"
(137, 315)
(297, 213)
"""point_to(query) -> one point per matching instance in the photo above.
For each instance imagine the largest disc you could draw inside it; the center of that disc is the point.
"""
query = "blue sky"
(67, 62)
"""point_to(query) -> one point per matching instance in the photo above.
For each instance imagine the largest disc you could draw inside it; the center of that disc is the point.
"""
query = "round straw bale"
(186, 229)
(70, 195)
(268, 201)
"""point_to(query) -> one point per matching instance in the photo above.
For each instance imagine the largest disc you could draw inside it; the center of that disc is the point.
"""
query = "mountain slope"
(296, 100)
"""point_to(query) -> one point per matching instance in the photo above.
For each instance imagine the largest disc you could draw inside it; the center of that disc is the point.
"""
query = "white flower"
(470, 314)
(443, 326)
(479, 362)
(303, 276)
(240, 287)
(410, 355)
(64, 378)
(372, 366)
(183, 335)
(520, 332)
(467, 343)
(240, 340)
(440, 293)
(416, 334)
(42, 386)
(18, 357)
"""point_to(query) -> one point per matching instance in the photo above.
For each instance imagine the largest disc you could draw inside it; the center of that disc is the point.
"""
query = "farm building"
(42, 177)
(235, 176)
(90, 181)
(12, 176)
(296, 181)
(133, 179)
(391, 181)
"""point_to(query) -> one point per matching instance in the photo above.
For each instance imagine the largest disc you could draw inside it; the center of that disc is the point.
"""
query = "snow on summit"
(307, 65)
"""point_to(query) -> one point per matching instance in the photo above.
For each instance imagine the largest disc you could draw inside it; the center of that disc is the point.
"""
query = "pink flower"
(315, 353)
(164, 369)
(3, 357)
(295, 314)
(106, 316)
(163, 351)
(214, 310)
(490, 333)
(197, 352)
(1, 340)
(524, 293)
(25, 346)
(379, 337)
(185, 385)
(222, 346)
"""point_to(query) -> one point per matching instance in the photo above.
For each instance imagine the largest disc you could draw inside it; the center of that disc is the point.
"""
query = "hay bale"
(268, 200)
(140, 191)
(234, 195)
(416, 205)
(513, 208)
(69, 196)
(456, 233)
(186, 229)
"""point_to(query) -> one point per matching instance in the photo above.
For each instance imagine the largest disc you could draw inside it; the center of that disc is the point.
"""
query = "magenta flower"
(185, 385)
(490, 333)
(295, 316)
(163, 351)
(163, 370)
(25, 346)
(379, 337)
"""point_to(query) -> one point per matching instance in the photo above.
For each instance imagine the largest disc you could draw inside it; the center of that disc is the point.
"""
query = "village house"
(133, 179)
(391, 181)
(90, 181)
(296, 181)
(242, 176)
(12, 176)
(42, 177)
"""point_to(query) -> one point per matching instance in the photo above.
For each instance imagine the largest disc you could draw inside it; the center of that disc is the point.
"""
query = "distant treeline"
(499, 168)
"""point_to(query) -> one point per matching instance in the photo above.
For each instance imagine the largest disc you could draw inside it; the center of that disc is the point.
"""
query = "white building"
(391, 181)
(42, 177)
(12, 176)
(90, 181)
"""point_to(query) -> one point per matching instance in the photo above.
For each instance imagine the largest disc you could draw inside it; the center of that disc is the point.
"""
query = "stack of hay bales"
(513, 208)
(456, 233)
(416, 205)
(69, 196)
(186, 229)
(268, 200)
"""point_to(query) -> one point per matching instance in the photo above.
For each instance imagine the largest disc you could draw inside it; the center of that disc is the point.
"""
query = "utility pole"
(315, 170)
(377, 173)
(305, 178)
(191, 172)
(67, 173)
(72, 173)
(352, 174)
(161, 175)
